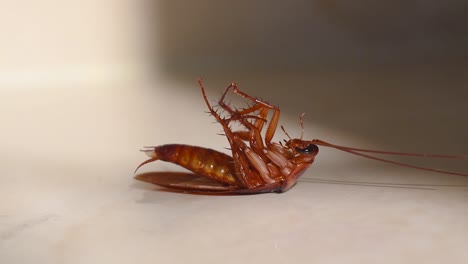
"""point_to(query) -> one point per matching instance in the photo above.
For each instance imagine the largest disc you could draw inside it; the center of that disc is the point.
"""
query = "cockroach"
(257, 165)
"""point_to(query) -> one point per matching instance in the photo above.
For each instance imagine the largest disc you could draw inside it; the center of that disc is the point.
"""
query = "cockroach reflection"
(257, 164)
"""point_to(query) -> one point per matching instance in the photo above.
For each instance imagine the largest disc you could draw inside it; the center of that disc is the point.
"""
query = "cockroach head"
(300, 146)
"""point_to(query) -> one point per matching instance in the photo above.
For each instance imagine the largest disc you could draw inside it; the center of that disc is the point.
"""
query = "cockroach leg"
(243, 172)
(259, 105)
(275, 118)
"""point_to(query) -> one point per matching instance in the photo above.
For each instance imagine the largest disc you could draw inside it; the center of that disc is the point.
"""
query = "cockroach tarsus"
(257, 165)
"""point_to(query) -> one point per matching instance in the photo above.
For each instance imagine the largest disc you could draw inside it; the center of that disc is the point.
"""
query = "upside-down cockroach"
(257, 165)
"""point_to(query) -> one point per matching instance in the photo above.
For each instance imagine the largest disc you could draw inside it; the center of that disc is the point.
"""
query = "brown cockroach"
(257, 165)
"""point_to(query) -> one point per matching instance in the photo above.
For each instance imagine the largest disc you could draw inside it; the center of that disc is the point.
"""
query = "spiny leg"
(258, 105)
(253, 135)
(254, 131)
(256, 154)
(244, 174)
(247, 159)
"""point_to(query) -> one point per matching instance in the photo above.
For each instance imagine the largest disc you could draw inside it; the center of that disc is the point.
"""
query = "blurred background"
(84, 84)
(306, 36)
(392, 73)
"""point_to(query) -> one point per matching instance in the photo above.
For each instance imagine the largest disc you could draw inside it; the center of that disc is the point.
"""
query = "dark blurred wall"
(390, 72)
(263, 35)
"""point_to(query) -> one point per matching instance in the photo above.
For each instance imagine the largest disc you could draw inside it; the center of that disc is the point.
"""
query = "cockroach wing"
(192, 183)
(184, 181)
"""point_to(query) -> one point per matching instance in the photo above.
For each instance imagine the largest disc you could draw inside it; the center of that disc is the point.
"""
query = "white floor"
(68, 194)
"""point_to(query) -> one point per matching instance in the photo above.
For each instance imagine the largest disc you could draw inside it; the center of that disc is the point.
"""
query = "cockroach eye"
(308, 150)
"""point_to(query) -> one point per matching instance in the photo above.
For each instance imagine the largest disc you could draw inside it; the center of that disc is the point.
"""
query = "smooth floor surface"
(68, 195)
